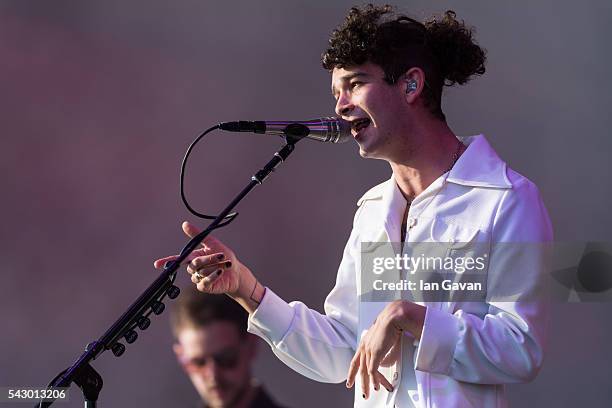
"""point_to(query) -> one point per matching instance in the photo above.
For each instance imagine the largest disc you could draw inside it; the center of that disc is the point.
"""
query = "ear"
(412, 84)
(178, 350)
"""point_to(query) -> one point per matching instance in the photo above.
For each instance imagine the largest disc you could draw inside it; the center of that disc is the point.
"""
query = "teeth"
(359, 124)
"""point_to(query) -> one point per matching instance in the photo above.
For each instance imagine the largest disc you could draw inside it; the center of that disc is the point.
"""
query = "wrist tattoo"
(252, 292)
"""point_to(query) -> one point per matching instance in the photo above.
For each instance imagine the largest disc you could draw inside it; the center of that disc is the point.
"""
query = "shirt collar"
(479, 165)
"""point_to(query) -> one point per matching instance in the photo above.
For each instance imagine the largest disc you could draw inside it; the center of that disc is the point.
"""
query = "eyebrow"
(226, 350)
(347, 78)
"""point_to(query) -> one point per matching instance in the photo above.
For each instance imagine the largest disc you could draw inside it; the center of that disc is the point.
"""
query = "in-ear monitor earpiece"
(412, 86)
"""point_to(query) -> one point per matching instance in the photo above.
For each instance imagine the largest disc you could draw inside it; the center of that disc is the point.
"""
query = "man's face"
(217, 360)
(376, 109)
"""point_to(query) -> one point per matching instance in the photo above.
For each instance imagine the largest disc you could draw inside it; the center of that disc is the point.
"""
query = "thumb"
(189, 229)
(209, 243)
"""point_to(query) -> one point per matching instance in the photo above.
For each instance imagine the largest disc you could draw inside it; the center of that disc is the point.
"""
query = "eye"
(355, 84)
(198, 362)
(228, 359)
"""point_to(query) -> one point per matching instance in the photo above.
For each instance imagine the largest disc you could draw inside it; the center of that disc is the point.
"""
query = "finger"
(374, 361)
(196, 278)
(383, 380)
(365, 380)
(372, 369)
(189, 229)
(159, 263)
(389, 359)
(353, 368)
(210, 279)
(201, 271)
(208, 260)
(208, 268)
(205, 284)
(191, 270)
(209, 243)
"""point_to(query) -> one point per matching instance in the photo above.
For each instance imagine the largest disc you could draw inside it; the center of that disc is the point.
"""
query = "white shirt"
(468, 350)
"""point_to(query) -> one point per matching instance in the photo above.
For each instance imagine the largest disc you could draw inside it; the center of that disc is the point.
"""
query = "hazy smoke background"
(99, 100)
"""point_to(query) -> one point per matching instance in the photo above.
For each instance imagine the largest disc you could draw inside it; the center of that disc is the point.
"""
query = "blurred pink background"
(98, 102)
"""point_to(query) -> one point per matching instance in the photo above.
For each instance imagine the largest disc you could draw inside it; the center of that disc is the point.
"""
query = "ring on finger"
(198, 276)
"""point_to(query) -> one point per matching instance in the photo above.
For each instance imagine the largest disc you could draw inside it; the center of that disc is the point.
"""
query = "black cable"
(149, 310)
(230, 217)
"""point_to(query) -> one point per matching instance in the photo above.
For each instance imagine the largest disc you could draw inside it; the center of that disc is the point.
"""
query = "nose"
(343, 105)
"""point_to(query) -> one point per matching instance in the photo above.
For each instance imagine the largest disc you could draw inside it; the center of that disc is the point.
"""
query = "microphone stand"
(81, 372)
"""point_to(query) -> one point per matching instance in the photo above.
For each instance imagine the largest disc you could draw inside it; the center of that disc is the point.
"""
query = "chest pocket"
(453, 235)
(465, 251)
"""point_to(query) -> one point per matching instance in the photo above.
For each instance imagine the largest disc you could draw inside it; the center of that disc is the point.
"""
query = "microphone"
(333, 130)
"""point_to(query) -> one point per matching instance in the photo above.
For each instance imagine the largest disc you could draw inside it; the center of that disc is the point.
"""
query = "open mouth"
(358, 125)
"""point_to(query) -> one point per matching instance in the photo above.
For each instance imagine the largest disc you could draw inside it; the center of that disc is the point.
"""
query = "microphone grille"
(339, 129)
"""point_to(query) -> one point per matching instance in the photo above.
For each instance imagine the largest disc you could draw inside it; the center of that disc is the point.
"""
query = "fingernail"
(348, 385)
(220, 256)
(363, 395)
(219, 272)
(390, 390)
(228, 264)
(376, 388)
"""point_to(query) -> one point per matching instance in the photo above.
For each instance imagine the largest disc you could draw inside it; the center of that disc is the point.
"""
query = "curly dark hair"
(443, 48)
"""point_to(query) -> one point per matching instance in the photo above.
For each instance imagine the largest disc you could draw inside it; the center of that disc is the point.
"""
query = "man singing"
(388, 72)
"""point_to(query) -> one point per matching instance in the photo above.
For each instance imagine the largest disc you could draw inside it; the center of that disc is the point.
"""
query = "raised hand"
(214, 267)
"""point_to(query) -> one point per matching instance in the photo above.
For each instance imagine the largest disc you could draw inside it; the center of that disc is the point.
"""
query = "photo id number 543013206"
(32, 394)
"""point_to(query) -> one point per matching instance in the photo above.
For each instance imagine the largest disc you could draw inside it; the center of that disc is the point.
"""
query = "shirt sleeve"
(318, 346)
(506, 345)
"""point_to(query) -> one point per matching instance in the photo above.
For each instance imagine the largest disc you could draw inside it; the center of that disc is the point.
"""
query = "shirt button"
(412, 222)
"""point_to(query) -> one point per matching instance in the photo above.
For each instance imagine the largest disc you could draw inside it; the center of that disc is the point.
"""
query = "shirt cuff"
(272, 318)
(438, 341)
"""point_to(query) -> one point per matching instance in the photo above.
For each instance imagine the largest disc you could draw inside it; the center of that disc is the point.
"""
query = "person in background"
(215, 350)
